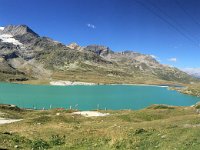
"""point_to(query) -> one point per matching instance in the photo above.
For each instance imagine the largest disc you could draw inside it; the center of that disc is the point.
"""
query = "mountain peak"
(99, 49)
(74, 45)
(15, 30)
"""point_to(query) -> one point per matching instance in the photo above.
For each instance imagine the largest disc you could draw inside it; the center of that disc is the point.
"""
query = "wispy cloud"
(91, 26)
(172, 59)
(175, 47)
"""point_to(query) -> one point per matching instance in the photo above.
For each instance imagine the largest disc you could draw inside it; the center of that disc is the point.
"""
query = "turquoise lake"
(91, 97)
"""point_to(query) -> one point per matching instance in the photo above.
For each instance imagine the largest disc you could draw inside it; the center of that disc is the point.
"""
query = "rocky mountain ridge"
(25, 55)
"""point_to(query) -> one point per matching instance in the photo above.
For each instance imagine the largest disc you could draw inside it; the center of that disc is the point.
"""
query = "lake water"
(91, 97)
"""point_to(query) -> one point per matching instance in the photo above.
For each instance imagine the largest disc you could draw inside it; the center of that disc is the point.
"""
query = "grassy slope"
(96, 77)
(153, 128)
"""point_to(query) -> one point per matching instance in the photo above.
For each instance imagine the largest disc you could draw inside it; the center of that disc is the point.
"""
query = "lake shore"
(71, 83)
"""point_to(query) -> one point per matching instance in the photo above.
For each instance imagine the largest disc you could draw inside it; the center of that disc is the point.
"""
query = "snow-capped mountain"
(26, 55)
(193, 71)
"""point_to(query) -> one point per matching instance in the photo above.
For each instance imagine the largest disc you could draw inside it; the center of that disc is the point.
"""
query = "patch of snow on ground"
(7, 38)
(91, 113)
(5, 121)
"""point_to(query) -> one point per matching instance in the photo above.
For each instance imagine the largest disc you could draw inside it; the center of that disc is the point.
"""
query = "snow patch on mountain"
(7, 38)
(2, 28)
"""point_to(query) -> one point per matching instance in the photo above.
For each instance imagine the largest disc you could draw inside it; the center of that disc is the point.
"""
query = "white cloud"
(91, 26)
(175, 47)
(172, 59)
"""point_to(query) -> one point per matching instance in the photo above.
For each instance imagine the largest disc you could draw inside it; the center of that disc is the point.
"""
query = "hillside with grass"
(156, 127)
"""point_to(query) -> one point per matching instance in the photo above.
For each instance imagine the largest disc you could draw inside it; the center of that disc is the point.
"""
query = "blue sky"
(168, 29)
